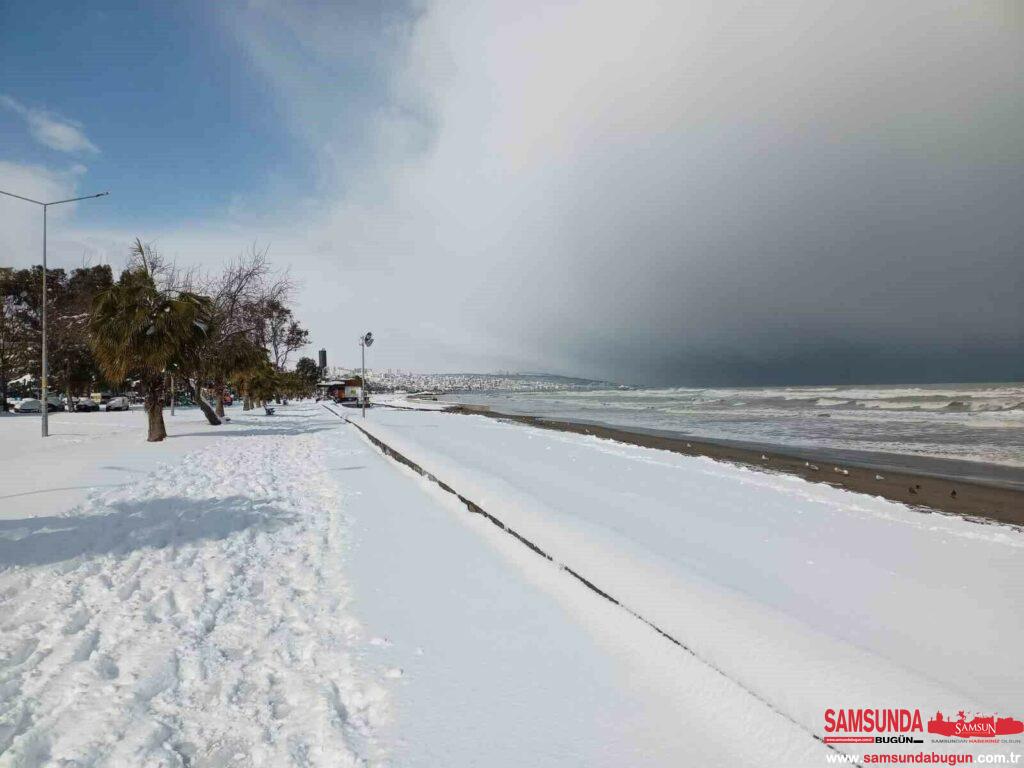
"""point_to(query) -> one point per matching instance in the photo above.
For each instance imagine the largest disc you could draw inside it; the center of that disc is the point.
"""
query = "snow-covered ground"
(277, 592)
(191, 615)
(808, 596)
(505, 662)
(85, 452)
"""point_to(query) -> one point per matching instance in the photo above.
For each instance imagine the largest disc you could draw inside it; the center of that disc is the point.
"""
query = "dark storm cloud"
(812, 262)
(797, 193)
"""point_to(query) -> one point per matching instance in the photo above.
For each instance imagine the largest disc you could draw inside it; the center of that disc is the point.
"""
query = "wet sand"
(999, 499)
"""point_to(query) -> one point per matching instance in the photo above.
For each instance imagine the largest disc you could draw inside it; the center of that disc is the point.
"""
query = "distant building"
(323, 361)
(348, 390)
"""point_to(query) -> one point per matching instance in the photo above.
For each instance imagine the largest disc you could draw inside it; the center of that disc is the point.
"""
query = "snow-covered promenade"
(276, 592)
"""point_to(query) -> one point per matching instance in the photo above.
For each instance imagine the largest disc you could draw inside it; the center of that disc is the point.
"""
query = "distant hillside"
(479, 382)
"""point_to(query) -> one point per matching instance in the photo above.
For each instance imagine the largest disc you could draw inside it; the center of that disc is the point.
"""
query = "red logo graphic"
(861, 723)
(976, 728)
(872, 720)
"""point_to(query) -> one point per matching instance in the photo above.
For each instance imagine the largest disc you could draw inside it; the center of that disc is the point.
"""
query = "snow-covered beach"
(277, 591)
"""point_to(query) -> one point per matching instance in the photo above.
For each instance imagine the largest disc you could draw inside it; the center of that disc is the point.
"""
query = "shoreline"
(924, 490)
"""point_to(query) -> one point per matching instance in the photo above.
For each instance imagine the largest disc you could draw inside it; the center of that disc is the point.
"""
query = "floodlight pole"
(45, 409)
(364, 341)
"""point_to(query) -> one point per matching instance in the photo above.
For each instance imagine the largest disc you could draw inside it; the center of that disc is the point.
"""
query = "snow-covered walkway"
(194, 617)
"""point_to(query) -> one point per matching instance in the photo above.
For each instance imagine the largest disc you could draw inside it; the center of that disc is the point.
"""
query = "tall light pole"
(366, 340)
(45, 370)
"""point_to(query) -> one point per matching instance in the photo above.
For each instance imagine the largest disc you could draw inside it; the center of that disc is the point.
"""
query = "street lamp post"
(365, 341)
(45, 410)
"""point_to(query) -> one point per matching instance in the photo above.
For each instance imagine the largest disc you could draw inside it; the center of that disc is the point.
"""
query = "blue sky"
(185, 124)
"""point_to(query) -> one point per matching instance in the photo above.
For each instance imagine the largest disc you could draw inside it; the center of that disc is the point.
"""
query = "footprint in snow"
(87, 645)
(20, 653)
(106, 668)
(77, 622)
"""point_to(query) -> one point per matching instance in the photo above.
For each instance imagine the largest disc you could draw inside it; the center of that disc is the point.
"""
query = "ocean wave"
(973, 422)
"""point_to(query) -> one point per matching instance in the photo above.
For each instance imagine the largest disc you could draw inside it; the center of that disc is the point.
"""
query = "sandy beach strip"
(927, 492)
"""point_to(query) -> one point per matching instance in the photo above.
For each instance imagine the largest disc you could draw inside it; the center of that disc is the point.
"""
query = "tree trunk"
(155, 411)
(220, 397)
(3, 369)
(205, 406)
(70, 407)
(3, 358)
(247, 404)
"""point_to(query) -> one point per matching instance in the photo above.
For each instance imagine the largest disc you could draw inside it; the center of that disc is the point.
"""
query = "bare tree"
(240, 293)
(284, 334)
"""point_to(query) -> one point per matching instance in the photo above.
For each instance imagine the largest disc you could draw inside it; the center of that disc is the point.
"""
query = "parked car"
(118, 404)
(34, 405)
(86, 404)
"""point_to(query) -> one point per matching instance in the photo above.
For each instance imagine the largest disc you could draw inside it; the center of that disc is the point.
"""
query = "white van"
(118, 404)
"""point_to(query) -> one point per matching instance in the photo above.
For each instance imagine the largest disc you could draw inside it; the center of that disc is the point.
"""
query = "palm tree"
(137, 328)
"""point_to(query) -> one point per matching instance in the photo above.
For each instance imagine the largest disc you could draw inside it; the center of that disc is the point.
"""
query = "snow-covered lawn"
(85, 452)
(277, 592)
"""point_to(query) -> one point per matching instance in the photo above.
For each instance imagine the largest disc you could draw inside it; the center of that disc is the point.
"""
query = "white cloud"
(51, 130)
(21, 223)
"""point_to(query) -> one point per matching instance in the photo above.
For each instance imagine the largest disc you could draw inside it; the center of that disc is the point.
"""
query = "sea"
(947, 424)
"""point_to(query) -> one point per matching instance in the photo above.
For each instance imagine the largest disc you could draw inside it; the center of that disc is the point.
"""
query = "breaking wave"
(978, 422)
